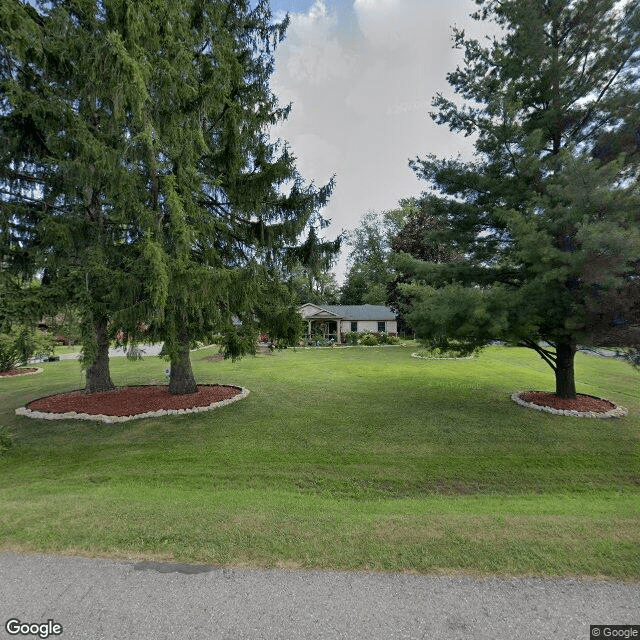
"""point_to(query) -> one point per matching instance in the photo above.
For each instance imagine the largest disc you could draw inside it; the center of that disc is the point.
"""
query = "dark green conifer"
(545, 217)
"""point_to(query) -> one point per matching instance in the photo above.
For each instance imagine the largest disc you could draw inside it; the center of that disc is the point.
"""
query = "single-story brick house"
(334, 320)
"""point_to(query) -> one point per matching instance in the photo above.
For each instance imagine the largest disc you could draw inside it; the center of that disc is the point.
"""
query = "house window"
(382, 327)
(354, 326)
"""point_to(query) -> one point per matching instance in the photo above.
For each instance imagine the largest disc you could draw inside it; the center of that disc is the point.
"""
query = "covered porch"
(324, 324)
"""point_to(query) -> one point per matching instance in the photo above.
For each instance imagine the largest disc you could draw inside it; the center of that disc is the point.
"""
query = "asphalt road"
(114, 600)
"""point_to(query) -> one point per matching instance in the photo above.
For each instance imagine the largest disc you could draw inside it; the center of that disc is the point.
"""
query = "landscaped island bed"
(22, 371)
(132, 401)
(356, 458)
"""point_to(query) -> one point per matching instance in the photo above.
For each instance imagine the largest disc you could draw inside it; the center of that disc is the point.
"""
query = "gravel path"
(113, 600)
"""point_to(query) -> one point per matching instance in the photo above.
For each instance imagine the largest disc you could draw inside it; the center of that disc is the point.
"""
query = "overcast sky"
(361, 75)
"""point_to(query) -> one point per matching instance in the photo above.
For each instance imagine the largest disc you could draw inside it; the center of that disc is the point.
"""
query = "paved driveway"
(113, 600)
(146, 350)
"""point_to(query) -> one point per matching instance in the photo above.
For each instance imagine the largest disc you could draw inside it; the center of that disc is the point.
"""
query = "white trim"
(72, 415)
(616, 412)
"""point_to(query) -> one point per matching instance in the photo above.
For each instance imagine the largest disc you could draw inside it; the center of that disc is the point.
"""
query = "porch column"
(338, 323)
(309, 330)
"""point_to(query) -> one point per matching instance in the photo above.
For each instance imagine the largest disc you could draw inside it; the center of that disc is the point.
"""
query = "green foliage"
(351, 337)
(21, 344)
(66, 324)
(307, 267)
(368, 339)
(369, 271)
(543, 224)
(385, 338)
(8, 352)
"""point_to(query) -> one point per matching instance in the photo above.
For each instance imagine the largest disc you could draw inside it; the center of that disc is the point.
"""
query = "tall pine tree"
(228, 201)
(74, 96)
(140, 177)
(545, 221)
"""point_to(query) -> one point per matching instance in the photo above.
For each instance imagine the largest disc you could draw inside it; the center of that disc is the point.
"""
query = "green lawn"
(361, 458)
(62, 349)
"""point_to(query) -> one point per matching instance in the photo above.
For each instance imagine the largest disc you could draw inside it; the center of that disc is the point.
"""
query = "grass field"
(360, 458)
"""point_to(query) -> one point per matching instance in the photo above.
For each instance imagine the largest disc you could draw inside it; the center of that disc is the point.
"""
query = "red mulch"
(130, 401)
(17, 372)
(580, 403)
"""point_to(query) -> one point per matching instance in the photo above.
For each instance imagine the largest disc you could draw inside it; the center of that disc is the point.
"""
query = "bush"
(368, 339)
(8, 352)
(21, 344)
(351, 338)
(6, 440)
(386, 338)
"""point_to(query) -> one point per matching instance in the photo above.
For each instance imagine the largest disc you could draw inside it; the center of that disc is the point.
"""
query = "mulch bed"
(18, 372)
(582, 403)
(129, 401)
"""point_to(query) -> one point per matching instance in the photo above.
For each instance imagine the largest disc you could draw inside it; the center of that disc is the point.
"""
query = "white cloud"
(316, 156)
(361, 78)
(314, 52)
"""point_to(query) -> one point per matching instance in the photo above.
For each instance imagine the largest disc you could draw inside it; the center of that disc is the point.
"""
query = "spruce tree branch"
(548, 356)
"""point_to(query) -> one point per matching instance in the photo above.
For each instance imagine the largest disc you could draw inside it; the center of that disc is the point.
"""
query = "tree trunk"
(565, 381)
(182, 381)
(98, 375)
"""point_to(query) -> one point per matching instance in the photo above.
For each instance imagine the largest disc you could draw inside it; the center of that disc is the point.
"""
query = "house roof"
(352, 312)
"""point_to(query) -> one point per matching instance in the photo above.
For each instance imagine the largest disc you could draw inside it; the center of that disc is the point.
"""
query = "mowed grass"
(357, 458)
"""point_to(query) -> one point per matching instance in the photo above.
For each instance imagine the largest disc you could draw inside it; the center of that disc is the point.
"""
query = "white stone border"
(416, 355)
(72, 415)
(29, 373)
(617, 412)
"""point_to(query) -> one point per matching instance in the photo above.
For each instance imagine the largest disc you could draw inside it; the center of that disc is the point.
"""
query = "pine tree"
(139, 175)
(74, 95)
(228, 201)
(546, 215)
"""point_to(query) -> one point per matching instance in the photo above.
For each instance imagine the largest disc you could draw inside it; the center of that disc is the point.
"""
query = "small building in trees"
(334, 320)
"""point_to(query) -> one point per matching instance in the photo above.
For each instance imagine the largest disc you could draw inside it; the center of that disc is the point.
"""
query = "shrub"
(368, 339)
(387, 338)
(351, 337)
(22, 343)
(8, 352)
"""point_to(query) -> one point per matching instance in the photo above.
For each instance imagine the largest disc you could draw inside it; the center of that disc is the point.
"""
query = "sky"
(360, 75)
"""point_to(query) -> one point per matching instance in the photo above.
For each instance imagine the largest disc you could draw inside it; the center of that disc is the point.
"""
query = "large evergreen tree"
(229, 200)
(73, 98)
(545, 216)
(139, 176)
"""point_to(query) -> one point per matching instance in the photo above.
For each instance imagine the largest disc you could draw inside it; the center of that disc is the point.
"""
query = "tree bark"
(565, 380)
(182, 380)
(98, 374)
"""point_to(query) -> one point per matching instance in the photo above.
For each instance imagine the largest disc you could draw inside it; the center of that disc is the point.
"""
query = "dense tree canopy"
(307, 267)
(546, 214)
(413, 231)
(139, 176)
(369, 271)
